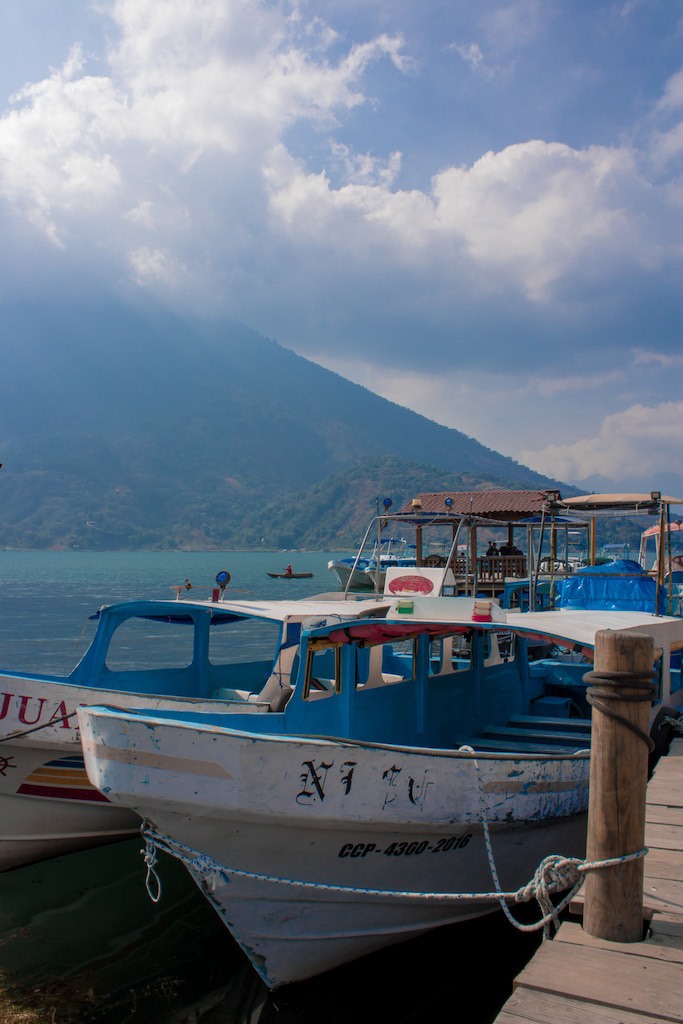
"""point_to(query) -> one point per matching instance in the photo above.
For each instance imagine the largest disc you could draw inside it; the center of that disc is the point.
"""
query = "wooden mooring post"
(620, 692)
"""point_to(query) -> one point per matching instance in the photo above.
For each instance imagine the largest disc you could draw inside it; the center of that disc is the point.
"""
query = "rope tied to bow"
(37, 728)
(554, 874)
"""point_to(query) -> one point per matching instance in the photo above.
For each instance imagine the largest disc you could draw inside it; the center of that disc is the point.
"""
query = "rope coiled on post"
(602, 686)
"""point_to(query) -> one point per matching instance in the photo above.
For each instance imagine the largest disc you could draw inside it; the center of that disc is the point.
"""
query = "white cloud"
(630, 442)
(531, 216)
(249, 158)
(196, 81)
(53, 160)
(537, 211)
(471, 54)
(666, 143)
(186, 79)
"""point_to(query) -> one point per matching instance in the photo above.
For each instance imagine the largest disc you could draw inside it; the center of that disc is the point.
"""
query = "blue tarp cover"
(622, 585)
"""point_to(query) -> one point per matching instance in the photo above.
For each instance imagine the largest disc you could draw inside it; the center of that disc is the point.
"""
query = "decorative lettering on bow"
(29, 710)
(391, 776)
(313, 781)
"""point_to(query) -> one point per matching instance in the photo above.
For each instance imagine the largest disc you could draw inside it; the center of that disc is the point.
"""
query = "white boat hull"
(315, 853)
(350, 577)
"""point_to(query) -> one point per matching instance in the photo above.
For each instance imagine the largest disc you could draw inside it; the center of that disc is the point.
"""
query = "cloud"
(211, 89)
(257, 159)
(517, 24)
(472, 55)
(638, 439)
(53, 163)
(666, 143)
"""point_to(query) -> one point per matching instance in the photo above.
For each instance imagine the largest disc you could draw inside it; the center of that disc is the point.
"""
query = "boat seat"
(276, 692)
(507, 732)
(446, 657)
(376, 677)
(320, 688)
(571, 725)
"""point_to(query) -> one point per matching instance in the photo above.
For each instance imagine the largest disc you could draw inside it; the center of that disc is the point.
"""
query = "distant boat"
(358, 572)
(290, 575)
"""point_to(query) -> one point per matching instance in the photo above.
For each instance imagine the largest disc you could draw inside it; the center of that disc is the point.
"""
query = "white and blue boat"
(211, 656)
(365, 571)
(422, 769)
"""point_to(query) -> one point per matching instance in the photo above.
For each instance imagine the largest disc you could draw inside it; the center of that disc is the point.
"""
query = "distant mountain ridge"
(125, 428)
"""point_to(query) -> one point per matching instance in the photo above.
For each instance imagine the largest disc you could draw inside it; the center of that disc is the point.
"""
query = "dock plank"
(665, 790)
(529, 1007)
(663, 863)
(664, 837)
(663, 941)
(661, 814)
(604, 978)
(660, 896)
(663, 896)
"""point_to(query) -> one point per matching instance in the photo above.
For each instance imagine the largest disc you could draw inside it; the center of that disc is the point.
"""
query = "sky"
(473, 209)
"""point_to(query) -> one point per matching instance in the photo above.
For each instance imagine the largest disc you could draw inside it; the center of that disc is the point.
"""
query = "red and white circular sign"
(411, 585)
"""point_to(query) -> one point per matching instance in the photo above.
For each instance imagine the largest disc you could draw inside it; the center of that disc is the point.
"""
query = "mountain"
(124, 428)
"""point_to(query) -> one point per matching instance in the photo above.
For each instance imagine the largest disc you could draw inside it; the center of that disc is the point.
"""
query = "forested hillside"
(131, 428)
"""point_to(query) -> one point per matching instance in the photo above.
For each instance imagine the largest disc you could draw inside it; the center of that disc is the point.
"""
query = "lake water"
(80, 940)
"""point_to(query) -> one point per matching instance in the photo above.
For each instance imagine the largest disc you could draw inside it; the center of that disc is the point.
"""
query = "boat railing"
(495, 568)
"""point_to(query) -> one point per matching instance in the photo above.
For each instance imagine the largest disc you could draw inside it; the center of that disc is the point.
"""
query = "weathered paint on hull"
(289, 936)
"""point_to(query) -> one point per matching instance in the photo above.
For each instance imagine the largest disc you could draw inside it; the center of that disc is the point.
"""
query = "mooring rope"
(676, 722)
(36, 728)
(609, 686)
(553, 874)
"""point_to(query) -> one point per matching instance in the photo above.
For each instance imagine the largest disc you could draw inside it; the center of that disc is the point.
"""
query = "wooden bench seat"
(562, 724)
(545, 736)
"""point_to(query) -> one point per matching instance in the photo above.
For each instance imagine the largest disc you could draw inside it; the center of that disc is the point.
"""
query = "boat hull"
(349, 577)
(315, 853)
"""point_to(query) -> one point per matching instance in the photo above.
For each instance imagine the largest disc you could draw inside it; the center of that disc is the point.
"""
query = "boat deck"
(578, 978)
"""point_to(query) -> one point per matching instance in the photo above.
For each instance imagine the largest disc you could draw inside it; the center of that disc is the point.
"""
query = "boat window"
(449, 654)
(380, 664)
(140, 644)
(499, 646)
(323, 673)
(245, 640)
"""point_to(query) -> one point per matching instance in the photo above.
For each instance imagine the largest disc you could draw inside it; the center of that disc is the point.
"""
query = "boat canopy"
(183, 611)
(622, 584)
(617, 504)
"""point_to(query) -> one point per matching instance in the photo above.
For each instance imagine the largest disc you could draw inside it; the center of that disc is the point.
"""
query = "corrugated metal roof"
(494, 504)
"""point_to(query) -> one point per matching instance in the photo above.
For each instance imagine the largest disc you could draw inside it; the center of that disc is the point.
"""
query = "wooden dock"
(575, 978)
